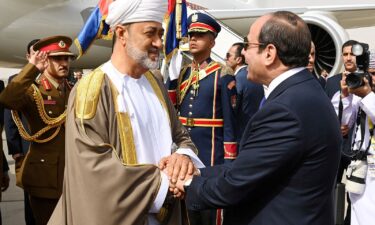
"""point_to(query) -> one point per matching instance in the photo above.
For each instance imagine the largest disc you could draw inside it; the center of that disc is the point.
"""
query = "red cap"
(56, 45)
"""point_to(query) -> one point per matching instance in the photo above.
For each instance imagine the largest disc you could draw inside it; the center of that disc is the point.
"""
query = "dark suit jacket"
(16, 144)
(286, 168)
(322, 81)
(3, 161)
(333, 85)
(249, 96)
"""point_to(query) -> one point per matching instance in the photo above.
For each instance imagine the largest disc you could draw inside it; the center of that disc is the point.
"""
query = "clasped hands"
(179, 168)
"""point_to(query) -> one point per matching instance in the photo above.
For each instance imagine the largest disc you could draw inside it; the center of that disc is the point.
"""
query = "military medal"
(195, 85)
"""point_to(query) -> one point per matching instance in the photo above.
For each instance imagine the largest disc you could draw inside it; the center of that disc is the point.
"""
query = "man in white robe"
(120, 124)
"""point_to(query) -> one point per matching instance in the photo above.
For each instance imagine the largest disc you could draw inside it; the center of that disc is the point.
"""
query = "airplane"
(24, 20)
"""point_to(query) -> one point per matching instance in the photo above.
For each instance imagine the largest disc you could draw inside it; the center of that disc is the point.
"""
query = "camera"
(356, 176)
(355, 79)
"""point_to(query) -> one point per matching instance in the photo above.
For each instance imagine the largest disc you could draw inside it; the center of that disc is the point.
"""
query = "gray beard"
(141, 57)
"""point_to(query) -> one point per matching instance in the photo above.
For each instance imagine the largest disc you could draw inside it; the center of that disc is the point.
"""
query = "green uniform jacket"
(43, 168)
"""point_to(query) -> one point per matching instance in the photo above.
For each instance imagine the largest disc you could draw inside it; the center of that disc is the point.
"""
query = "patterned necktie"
(262, 102)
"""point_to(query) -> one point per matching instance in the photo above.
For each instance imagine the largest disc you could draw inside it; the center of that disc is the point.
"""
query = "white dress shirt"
(279, 79)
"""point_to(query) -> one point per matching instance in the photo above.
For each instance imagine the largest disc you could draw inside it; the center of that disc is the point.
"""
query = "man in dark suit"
(333, 88)
(249, 94)
(286, 168)
(4, 168)
(205, 96)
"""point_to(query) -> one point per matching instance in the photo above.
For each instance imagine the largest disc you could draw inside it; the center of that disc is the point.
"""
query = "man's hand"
(177, 189)
(5, 182)
(177, 166)
(181, 183)
(344, 86)
(363, 90)
(344, 130)
(39, 59)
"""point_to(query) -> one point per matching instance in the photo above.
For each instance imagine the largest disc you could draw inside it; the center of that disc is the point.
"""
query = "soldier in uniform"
(43, 103)
(205, 97)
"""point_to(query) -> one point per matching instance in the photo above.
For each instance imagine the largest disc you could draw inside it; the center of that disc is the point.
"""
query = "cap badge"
(62, 44)
(194, 18)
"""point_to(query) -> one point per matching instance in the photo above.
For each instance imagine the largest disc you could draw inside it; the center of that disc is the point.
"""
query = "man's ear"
(270, 54)
(212, 39)
(121, 33)
(239, 60)
(213, 43)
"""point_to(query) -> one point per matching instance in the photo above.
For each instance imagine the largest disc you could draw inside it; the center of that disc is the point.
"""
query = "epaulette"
(226, 70)
(46, 84)
(212, 67)
(88, 92)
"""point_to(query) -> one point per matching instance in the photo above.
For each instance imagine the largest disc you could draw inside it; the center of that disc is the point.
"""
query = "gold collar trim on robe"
(129, 154)
(87, 98)
(88, 92)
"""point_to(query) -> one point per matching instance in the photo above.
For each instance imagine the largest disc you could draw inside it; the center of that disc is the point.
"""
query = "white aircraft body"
(24, 20)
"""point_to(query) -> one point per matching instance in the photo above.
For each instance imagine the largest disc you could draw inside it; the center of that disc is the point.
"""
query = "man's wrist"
(188, 182)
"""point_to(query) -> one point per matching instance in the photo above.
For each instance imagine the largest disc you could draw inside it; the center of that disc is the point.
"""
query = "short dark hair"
(291, 37)
(348, 43)
(239, 48)
(31, 43)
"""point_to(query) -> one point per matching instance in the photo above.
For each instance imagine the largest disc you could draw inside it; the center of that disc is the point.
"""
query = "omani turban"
(131, 11)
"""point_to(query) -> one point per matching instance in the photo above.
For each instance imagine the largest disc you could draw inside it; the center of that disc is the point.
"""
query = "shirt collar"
(279, 79)
(114, 75)
(238, 69)
(52, 81)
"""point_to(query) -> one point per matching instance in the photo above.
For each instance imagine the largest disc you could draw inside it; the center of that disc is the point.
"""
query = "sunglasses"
(247, 45)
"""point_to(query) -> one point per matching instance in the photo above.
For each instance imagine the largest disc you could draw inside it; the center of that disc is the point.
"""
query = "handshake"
(179, 168)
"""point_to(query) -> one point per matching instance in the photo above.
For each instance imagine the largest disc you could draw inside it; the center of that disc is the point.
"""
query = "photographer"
(359, 113)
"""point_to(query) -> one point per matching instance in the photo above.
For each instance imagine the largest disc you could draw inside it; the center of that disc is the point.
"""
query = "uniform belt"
(201, 122)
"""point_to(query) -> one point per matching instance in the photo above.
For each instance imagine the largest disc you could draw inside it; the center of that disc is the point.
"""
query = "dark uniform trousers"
(205, 99)
(43, 167)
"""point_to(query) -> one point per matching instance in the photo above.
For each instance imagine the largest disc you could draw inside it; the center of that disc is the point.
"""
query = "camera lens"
(354, 80)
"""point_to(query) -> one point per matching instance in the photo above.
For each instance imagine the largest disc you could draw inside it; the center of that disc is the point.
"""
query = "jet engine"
(328, 37)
